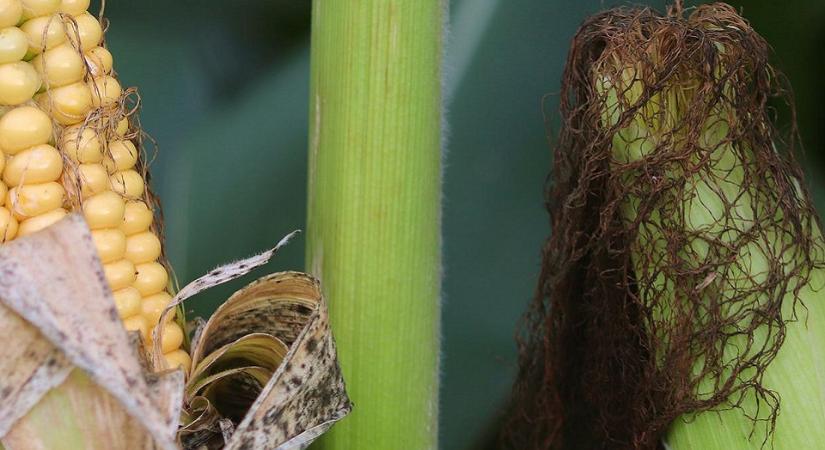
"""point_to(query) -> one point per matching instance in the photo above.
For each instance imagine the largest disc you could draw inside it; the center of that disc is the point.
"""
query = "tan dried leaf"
(304, 392)
(66, 317)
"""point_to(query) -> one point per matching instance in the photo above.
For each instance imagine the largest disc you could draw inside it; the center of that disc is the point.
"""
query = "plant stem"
(374, 210)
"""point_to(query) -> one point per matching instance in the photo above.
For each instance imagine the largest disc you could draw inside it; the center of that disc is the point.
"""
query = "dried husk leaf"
(256, 351)
(215, 277)
(58, 316)
(302, 398)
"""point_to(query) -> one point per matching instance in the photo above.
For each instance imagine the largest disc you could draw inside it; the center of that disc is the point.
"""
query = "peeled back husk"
(73, 378)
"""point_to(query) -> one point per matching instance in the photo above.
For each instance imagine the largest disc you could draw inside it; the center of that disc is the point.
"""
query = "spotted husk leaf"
(304, 396)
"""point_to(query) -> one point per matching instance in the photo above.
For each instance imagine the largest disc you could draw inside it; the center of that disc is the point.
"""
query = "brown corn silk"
(681, 234)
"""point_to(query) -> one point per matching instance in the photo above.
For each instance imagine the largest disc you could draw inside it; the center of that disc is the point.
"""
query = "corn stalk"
(374, 210)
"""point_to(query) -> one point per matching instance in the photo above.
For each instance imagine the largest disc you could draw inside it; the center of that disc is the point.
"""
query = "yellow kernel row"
(126, 244)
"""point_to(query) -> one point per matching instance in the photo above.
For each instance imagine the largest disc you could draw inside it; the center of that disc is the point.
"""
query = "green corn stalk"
(797, 373)
(374, 210)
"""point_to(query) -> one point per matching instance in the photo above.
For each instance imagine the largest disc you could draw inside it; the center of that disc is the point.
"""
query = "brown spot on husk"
(637, 305)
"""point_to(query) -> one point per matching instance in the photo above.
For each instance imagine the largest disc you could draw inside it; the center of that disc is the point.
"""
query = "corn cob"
(58, 87)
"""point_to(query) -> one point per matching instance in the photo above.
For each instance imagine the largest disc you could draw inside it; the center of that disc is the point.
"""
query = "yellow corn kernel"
(37, 8)
(105, 91)
(104, 210)
(24, 127)
(137, 323)
(8, 225)
(137, 218)
(120, 274)
(142, 247)
(178, 358)
(81, 144)
(151, 278)
(128, 183)
(13, 44)
(3, 191)
(74, 7)
(152, 307)
(37, 164)
(122, 155)
(90, 179)
(67, 104)
(11, 11)
(110, 244)
(122, 127)
(37, 223)
(44, 33)
(89, 31)
(32, 200)
(18, 82)
(99, 60)
(93, 179)
(59, 66)
(127, 301)
(172, 337)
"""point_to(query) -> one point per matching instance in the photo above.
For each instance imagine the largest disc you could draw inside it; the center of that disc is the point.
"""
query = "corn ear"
(74, 378)
(69, 146)
(678, 296)
(719, 206)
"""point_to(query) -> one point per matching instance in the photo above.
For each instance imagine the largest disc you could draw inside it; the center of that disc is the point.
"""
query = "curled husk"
(265, 372)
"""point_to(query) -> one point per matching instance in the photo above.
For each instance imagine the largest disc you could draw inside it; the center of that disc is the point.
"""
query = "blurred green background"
(225, 88)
